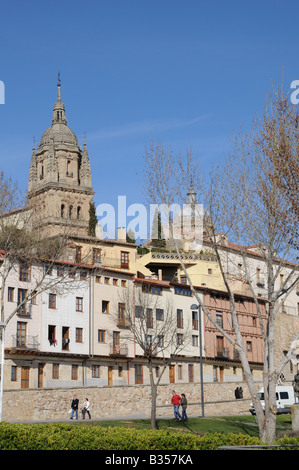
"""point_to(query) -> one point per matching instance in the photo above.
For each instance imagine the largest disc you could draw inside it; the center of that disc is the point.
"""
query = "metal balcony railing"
(118, 350)
(222, 352)
(27, 342)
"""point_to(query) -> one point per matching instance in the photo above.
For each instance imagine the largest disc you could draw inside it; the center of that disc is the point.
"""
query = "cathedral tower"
(59, 184)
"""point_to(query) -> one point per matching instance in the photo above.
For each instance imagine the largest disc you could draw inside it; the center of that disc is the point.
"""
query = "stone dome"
(59, 133)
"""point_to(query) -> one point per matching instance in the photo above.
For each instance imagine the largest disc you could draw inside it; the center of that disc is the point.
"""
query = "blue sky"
(186, 73)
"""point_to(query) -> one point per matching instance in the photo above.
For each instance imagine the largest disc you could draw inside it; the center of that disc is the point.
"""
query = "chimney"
(121, 234)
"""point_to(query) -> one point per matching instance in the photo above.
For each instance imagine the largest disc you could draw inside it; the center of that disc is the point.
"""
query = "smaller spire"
(59, 110)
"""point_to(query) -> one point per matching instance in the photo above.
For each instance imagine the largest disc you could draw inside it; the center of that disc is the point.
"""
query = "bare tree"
(245, 201)
(150, 322)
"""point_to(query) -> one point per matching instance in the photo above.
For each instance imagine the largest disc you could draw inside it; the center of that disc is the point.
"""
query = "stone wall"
(113, 402)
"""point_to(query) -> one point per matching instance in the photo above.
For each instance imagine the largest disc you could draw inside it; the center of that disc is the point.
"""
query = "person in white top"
(86, 408)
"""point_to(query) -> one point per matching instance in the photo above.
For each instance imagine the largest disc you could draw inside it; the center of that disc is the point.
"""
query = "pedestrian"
(183, 404)
(86, 408)
(237, 393)
(74, 407)
(175, 401)
(240, 392)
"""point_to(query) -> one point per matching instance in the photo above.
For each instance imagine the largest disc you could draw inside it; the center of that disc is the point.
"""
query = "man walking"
(74, 407)
(175, 401)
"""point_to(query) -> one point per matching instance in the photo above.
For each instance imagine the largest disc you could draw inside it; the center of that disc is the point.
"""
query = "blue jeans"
(184, 414)
(176, 411)
(74, 411)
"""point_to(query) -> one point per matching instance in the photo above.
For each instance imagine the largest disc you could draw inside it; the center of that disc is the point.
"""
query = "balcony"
(26, 343)
(222, 352)
(118, 350)
(122, 323)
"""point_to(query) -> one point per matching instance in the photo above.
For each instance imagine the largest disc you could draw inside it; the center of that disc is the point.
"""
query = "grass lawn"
(236, 424)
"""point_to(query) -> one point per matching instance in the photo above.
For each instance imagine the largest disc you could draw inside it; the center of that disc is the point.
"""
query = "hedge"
(75, 437)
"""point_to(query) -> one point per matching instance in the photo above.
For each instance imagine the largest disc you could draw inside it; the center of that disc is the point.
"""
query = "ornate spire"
(85, 173)
(59, 110)
(32, 170)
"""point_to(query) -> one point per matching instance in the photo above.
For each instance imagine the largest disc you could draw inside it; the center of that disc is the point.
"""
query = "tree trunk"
(154, 398)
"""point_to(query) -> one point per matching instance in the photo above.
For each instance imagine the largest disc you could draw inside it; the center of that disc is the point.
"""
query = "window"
(105, 306)
(183, 291)
(115, 282)
(124, 283)
(74, 372)
(10, 294)
(219, 319)
(160, 341)
(180, 372)
(149, 318)
(52, 300)
(159, 314)
(156, 290)
(79, 335)
(101, 336)
(79, 304)
(107, 280)
(62, 211)
(249, 346)
(52, 335)
(253, 321)
(121, 314)
(96, 255)
(138, 311)
(210, 271)
(22, 294)
(13, 374)
(72, 273)
(55, 371)
(21, 334)
(83, 275)
(194, 340)
(194, 320)
(78, 254)
(151, 289)
(116, 339)
(124, 259)
(179, 314)
(78, 212)
(60, 271)
(95, 372)
(138, 374)
(179, 339)
(98, 279)
(48, 270)
(33, 297)
(24, 272)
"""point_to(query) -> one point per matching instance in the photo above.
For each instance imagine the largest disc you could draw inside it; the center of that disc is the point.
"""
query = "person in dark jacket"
(183, 404)
(74, 407)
